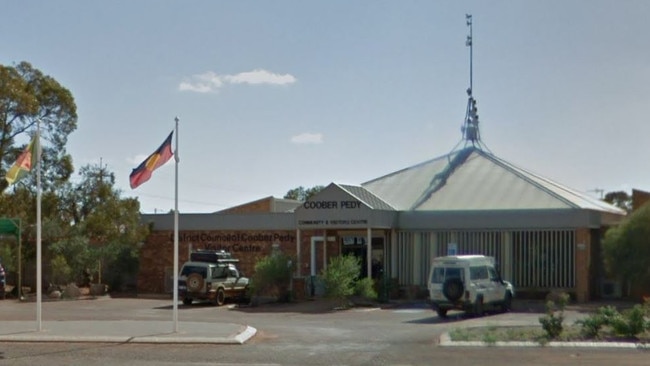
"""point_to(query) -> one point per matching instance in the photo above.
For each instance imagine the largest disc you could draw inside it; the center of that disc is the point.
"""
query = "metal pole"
(369, 252)
(469, 42)
(20, 261)
(175, 305)
(39, 270)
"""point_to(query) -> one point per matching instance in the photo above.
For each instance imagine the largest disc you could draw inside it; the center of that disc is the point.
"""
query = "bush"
(61, 271)
(365, 287)
(592, 325)
(631, 323)
(340, 275)
(552, 322)
(272, 276)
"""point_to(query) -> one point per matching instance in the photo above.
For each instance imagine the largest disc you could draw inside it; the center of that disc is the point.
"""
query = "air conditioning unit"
(610, 289)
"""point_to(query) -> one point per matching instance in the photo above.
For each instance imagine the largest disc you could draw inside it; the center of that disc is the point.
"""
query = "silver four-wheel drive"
(468, 282)
(213, 276)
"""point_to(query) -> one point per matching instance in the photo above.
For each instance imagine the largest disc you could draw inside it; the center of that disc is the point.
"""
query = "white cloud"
(210, 81)
(198, 87)
(307, 138)
(259, 76)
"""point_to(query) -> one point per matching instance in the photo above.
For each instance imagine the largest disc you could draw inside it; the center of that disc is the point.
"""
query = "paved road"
(291, 335)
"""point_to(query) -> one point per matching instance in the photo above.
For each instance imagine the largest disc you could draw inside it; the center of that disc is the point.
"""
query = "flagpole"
(39, 286)
(175, 305)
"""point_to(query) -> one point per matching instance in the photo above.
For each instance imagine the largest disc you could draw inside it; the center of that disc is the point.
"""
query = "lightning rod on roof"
(470, 127)
(468, 43)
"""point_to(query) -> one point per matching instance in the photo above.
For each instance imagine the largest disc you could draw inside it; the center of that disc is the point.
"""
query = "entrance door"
(357, 246)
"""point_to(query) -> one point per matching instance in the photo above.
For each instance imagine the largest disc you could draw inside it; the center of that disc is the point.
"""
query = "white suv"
(211, 276)
(467, 282)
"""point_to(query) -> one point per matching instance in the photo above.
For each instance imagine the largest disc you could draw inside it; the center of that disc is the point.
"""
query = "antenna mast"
(468, 43)
(470, 129)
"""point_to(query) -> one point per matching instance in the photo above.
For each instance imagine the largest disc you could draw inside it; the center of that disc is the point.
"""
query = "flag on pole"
(26, 161)
(143, 172)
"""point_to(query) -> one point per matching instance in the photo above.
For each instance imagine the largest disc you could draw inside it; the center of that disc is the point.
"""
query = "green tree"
(28, 96)
(302, 194)
(626, 248)
(619, 199)
(103, 229)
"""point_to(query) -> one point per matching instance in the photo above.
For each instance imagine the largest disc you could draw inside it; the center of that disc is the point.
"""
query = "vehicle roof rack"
(212, 256)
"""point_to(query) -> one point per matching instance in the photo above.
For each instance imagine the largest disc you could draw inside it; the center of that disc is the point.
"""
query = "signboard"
(452, 249)
(333, 207)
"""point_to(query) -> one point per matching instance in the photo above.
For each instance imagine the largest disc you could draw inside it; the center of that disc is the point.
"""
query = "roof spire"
(470, 127)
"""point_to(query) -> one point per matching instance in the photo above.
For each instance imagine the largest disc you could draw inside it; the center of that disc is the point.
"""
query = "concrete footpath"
(125, 331)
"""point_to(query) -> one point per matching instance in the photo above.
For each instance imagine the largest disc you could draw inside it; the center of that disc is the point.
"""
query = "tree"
(28, 96)
(103, 229)
(302, 194)
(619, 199)
(626, 248)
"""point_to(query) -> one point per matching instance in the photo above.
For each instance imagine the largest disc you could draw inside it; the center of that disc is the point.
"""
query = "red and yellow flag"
(26, 161)
(143, 172)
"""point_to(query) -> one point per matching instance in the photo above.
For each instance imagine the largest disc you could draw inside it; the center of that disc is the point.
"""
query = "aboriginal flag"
(143, 172)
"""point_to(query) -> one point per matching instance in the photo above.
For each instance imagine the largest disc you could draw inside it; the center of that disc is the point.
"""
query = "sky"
(272, 95)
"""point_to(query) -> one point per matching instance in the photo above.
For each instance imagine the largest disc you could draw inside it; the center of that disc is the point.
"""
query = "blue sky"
(272, 95)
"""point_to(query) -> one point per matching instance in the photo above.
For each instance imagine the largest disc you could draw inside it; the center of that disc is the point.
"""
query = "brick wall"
(156, 255)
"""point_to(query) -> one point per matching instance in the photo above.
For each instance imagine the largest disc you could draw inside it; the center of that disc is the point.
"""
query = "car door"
(498, 290)
(480, 279)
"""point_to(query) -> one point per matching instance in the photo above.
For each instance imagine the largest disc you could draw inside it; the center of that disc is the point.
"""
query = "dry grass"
(571, 333)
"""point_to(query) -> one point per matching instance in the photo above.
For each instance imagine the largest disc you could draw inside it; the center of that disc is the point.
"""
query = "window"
(494, 276)
(187, 270)
(218, 272)
(478, 273)
(440, 274)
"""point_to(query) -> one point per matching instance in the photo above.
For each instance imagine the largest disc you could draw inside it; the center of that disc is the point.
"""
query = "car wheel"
(478, 307)
(194, 282)
(220, 299)
(442, 313)
(507, 303)
(187, 301)
(453, 288)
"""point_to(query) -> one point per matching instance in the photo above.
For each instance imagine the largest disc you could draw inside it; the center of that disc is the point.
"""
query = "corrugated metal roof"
(472, 179)
(285, 205)
(366, 197)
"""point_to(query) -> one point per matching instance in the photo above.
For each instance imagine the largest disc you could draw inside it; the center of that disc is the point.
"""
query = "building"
(545, 236)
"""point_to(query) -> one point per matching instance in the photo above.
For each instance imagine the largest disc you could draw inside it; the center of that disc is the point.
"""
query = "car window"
(493, 274)
(440, 274)
(218, 272)
(478, 273)
(194, 269)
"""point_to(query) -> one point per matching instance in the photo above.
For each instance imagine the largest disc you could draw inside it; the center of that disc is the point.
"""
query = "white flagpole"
(39, 285)
(175, 305)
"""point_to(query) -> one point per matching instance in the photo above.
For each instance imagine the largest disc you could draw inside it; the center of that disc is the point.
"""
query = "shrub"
(272, 276)
(592, 325)
(340, 275)
(552, 322)
(61, 271)
(365, 287)
(631, 323)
